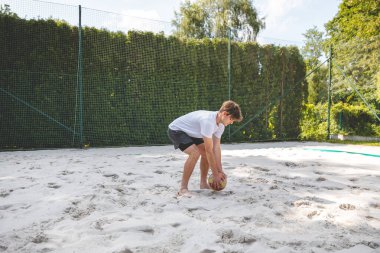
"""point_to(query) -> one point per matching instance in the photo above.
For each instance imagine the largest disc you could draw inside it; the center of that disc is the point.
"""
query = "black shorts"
(182, 140)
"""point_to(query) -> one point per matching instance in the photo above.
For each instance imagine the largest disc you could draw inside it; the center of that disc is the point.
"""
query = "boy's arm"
(210, 155)
(212, 161)
(218, 153)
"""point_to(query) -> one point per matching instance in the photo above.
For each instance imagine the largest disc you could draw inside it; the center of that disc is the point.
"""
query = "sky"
(286, 20)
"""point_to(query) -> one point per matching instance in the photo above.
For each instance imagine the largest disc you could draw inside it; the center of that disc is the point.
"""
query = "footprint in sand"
(80, 209)
(163, 166)
(99, 225)
(312, 214)
(221, 193)
(299, 203)
(5, 193)
(261, 180)
(35, 168)
(40, 238)
(146, 229)
(172, 158)
(175, 225)
(112, 175)
(53, 185)
(66, 172)
(372, 245)
(228, 236)
(347, 207)
(158, 189)
(129, 182)
(290, 164)
(5, 207)
(290, 178)
(261, 169)
(125, 251)
(248, 201)
(318, 200)
(120, 190)
(375, 205)
(208, 251)
(331, 188)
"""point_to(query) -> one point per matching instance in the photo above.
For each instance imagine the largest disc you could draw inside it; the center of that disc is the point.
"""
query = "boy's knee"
(197, 153)
(202, 150)
(194, 153)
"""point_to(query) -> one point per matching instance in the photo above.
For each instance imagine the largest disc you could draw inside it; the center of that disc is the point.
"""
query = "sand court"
(280, 197)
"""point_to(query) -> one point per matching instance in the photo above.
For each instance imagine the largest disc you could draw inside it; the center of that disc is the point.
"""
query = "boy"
(198, 134)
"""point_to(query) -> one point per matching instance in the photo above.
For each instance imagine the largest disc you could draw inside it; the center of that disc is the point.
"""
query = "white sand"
(280, 197)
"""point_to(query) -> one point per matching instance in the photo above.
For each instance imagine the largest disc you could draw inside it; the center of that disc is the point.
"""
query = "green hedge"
(135, 84)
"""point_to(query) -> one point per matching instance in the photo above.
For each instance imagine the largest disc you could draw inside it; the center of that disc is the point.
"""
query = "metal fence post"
(329, 94)
(80, 76)
(229, 74)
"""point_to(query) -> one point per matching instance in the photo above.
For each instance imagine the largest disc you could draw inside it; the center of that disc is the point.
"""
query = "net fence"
(73, 76)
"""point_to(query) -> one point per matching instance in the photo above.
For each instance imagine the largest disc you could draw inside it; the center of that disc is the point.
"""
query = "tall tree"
(312, 52)
(354, 36)
(5, 10)
(213, 18)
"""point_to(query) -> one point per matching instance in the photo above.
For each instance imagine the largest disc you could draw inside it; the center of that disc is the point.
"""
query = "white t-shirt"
(198, 124)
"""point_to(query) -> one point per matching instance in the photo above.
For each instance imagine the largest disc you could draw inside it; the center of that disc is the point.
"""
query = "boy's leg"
(204, 166)
(188, 168)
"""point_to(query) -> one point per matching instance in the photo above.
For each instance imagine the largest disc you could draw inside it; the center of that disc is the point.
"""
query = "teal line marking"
(341, 151)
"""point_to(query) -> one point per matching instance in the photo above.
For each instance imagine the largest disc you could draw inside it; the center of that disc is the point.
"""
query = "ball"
(222, 184)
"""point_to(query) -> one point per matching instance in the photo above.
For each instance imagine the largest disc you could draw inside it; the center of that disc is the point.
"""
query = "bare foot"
(204, 186)
(184, 193)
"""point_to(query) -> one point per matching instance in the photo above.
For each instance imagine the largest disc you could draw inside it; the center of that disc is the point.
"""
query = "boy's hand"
(224, 174)
(218, 180)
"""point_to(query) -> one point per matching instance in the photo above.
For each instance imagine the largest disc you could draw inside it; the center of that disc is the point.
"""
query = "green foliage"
(312, 51)
(378, 87)
(135, 84)
(212, 19)
(355, 119)
(317, 86)
(345, 119)
(314, 122)
(356, 18)
(354, 36)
